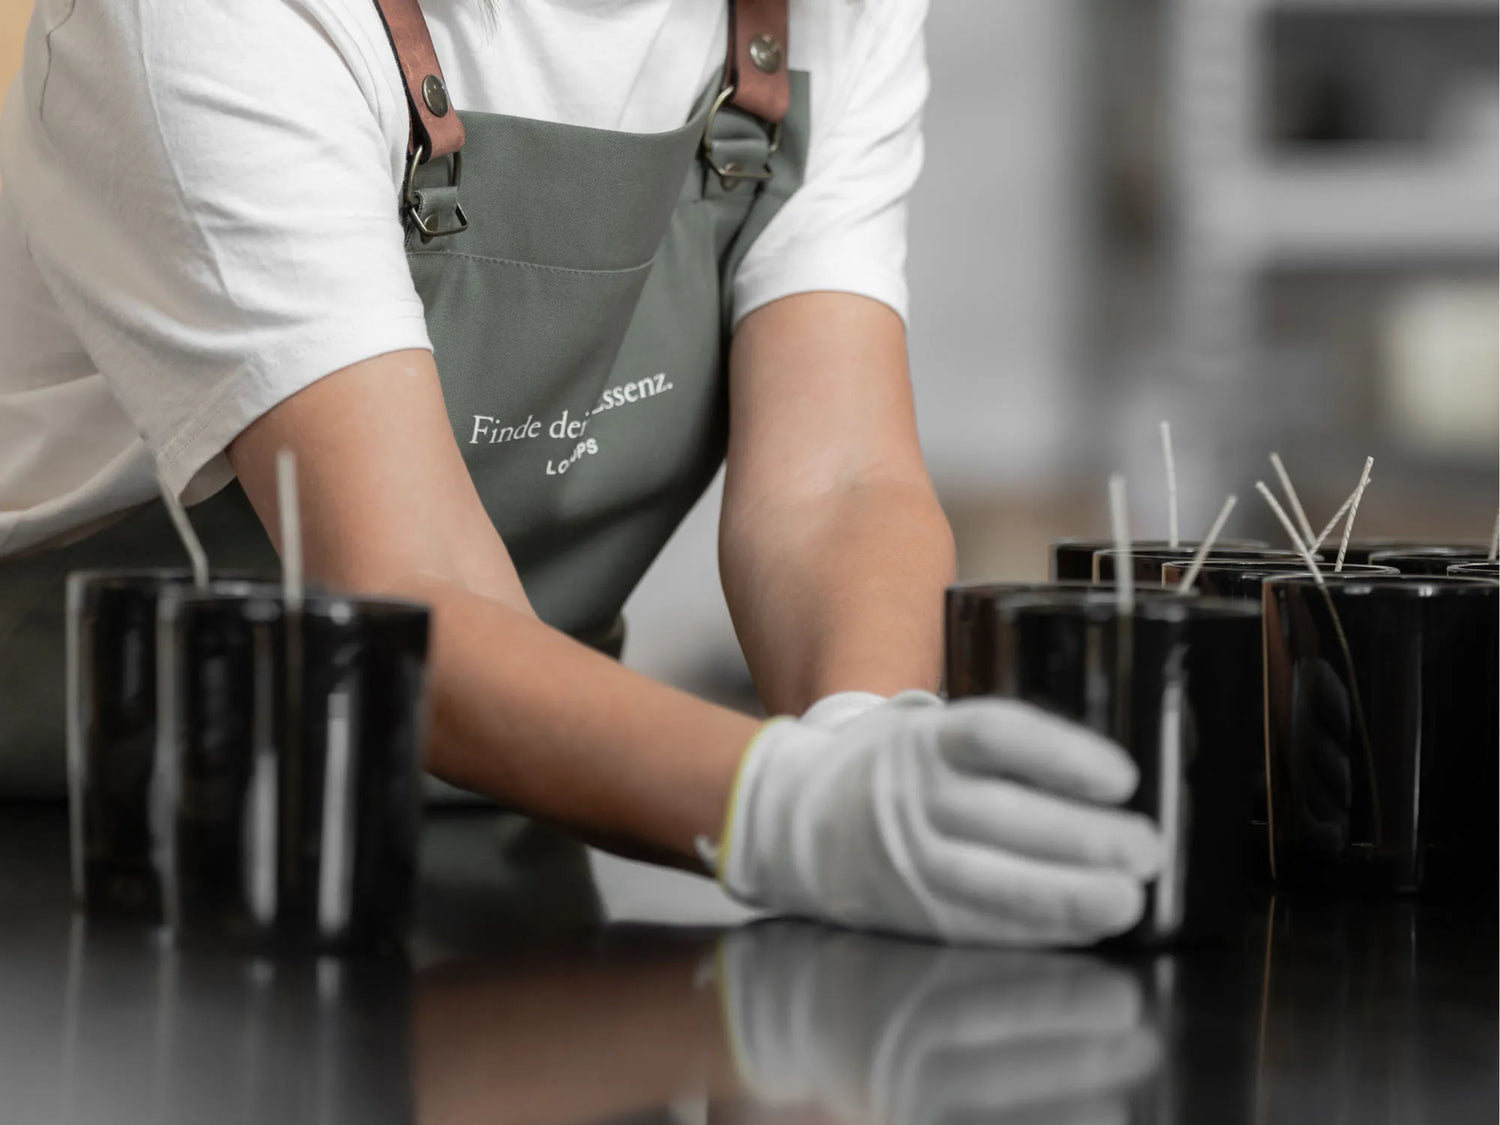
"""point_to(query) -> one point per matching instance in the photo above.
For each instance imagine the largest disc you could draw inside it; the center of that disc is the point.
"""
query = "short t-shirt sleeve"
(844, 229)
(209, 192)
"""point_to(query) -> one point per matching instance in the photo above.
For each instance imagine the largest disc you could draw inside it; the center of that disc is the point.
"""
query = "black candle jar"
(1432, 560)
(1487, 569)
(1241, 579)
(1360, 550)
(1072, 560)
(111, 678)
(1381, 732)
(968, 616)
(289, 752)
(1175, 684)
(1146, 565)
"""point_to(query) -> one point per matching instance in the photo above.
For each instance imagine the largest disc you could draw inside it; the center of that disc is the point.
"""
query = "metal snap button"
(766, 53)
(435, 94)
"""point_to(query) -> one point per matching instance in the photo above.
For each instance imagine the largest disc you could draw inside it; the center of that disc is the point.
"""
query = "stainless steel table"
(1320, 1013)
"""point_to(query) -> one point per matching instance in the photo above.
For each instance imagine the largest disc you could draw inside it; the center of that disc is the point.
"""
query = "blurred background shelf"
(1328, 230)
(1356, 7)
(1369, 208)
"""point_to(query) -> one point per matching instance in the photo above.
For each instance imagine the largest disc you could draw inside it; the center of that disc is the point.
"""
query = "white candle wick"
(1292, 498)
(185, 532)
(1364, 482)
(1120, 524)
(1186, 585)
(1312, 566)
(1171, 466)
(291, 529)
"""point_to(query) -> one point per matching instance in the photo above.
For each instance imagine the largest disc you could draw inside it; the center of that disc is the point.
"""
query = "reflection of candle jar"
(1381, 724)
(289, 750)
(1376, 1010)
(1174, 683)
(112, 736)
(289, 1039)
(1072, 560)
(181, 1037)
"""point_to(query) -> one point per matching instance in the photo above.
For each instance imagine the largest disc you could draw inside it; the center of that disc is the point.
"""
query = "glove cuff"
(716, 855)
(916, 698)
(771, 772)
(833, 711)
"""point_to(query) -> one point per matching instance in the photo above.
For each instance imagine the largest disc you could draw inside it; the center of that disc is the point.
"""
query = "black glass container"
(1242, 579)
(1360, 550)
(1381, 733)
(1486, 569)
(289, 751)
(1175, 684)
(111, 682)
(1145, 565)
(1432, 560)
(968, 617)
(1072, 560)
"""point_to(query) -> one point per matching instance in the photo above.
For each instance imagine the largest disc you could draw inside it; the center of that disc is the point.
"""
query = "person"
(512, 279)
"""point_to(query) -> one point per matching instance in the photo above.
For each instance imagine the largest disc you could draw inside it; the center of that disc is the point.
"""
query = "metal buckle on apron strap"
(731, 170)
(412, 198)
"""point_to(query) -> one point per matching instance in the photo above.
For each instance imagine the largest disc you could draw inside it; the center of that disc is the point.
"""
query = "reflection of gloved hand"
(1319, 759)
(868, 1028)
(979, 821)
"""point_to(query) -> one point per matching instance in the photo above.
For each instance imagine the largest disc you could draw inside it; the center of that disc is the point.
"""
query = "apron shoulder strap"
(756, 68)
(436, 131)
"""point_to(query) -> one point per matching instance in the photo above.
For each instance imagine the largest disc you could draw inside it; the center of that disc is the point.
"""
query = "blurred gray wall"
(999, 240)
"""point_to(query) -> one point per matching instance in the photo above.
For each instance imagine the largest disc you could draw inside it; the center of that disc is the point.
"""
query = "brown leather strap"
(757, 63)
(436, 134)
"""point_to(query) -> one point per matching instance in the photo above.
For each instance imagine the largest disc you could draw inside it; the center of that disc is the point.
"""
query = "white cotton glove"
(984, 821)
(868, 1028)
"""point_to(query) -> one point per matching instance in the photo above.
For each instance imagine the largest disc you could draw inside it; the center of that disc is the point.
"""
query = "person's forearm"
(520, 712)
(530, 717)
(840, 591)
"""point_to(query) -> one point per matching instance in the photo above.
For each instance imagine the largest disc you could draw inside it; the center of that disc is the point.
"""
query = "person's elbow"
(386, 503)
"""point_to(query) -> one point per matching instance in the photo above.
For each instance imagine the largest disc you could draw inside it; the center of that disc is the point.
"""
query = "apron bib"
(581, 325)
(581, 328)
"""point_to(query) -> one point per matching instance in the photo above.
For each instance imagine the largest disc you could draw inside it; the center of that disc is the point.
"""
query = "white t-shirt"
(198, 214)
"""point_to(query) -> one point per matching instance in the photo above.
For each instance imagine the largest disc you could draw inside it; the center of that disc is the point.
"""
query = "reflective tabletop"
(623, 1004)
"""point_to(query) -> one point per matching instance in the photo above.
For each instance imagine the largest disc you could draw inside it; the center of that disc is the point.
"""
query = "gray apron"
(581, 329)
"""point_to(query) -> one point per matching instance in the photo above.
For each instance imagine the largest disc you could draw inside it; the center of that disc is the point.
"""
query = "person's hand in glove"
(985, 821)
(873, 1029)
